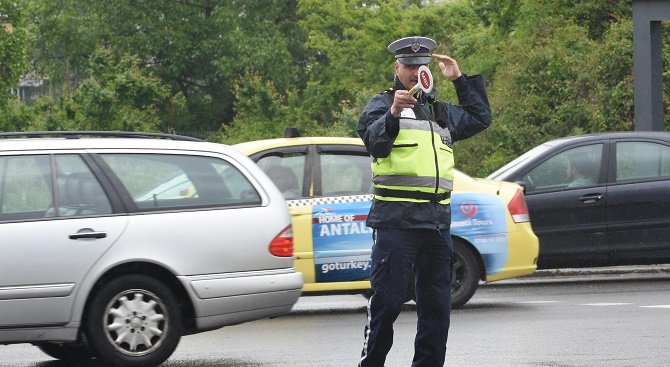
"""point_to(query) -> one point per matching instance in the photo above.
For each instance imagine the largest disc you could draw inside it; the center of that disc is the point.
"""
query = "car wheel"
(465, 277)
(66, 352)
(133, 320)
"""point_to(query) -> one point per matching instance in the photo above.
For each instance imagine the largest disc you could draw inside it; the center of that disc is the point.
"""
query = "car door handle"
(79, 235)
(591, 198)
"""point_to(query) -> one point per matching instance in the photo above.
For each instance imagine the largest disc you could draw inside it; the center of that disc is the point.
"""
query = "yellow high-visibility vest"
(420, 167)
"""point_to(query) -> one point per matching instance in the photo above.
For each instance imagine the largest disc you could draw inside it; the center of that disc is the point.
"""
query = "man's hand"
(401, 100)
(448, 66)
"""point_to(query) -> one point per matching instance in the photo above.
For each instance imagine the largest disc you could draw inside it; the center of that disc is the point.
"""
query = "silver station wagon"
(102, 257)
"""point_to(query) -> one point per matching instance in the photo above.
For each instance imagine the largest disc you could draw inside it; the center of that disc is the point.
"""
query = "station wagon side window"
(345, 174)
(27, 192)
(25, 187)
(642, 161)
(79, 192)
(166, 181)
(573, 168)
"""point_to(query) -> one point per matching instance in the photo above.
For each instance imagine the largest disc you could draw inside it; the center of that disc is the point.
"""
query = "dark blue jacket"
(378, 129)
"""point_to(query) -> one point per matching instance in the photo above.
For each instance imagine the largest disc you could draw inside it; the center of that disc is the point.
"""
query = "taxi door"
(332, 244)
(342, 241)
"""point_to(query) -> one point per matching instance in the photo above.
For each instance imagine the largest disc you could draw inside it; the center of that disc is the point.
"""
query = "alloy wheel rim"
(135, 322)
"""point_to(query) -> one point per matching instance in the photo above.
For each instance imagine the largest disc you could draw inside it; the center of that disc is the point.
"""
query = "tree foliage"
(202, 49)
(239, 70)
(116, 96)
(13, 47)
(570, 73)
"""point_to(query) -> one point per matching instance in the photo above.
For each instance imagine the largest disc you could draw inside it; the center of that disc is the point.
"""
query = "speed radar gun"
(425, 82)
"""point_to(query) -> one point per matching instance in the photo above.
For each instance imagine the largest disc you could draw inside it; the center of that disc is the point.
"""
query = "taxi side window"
(287, 171)
(25, 187)
(345, 174)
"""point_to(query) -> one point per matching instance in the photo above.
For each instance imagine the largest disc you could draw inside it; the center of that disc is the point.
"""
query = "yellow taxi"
(327, 183)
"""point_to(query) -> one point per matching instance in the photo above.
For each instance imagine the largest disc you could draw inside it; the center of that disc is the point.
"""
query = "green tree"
(252, 68)
(201, 49)
(66, 35)
(13, 48)
(563, 67)
(117, 96)
(15, 115)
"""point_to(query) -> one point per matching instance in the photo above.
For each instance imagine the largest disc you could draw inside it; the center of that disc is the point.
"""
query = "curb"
(611, 273)
(638, 269)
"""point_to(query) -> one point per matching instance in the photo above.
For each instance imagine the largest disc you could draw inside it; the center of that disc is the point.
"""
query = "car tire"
(66, 352)
(465, 276)
(134, 320)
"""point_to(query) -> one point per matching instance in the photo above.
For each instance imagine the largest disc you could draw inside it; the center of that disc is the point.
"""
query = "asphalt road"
(609, 318)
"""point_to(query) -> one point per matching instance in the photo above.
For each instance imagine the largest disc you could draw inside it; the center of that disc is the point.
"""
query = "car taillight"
(282, 245)
(518, 209)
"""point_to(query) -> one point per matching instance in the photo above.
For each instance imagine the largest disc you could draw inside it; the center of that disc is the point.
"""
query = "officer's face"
(408, 74)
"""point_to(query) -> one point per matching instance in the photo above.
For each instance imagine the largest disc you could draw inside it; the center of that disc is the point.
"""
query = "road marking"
(530, 302)
(657, 306)
(605, 304)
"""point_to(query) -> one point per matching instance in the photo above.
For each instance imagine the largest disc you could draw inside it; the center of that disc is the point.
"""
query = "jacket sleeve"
(377, 126)
(472, 115)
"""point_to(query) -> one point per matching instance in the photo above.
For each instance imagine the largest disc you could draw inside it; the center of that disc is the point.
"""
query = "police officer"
(411, 138)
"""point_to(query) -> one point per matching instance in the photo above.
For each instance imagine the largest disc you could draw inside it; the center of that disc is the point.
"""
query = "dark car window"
(345, 174)
(642, 161)
(25, 187)
(162, 181)
(573, 168)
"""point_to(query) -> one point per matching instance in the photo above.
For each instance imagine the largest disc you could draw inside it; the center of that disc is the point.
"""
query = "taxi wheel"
(465, 277)
(134, 320)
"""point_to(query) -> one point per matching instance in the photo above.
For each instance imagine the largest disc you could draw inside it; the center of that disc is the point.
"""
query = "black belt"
(418, 195)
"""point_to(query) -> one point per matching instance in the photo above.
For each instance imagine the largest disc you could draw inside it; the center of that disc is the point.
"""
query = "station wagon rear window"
(166, 181)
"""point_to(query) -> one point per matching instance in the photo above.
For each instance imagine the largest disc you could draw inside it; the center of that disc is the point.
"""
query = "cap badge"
(416, 46)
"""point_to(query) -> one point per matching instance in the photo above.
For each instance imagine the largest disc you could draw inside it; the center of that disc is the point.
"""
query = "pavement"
(609, 273)
(345, 303)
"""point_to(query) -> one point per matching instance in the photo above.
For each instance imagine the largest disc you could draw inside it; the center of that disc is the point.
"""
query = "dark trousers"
(395, 254)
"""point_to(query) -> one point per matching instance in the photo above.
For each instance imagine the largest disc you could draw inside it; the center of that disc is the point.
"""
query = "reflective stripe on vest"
(412, 165)
(416, 181)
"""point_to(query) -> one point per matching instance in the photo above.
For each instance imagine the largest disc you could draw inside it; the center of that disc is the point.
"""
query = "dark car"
(598, 199)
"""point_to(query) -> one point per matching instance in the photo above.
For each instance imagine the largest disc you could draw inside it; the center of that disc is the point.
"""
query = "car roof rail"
(109, 134)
